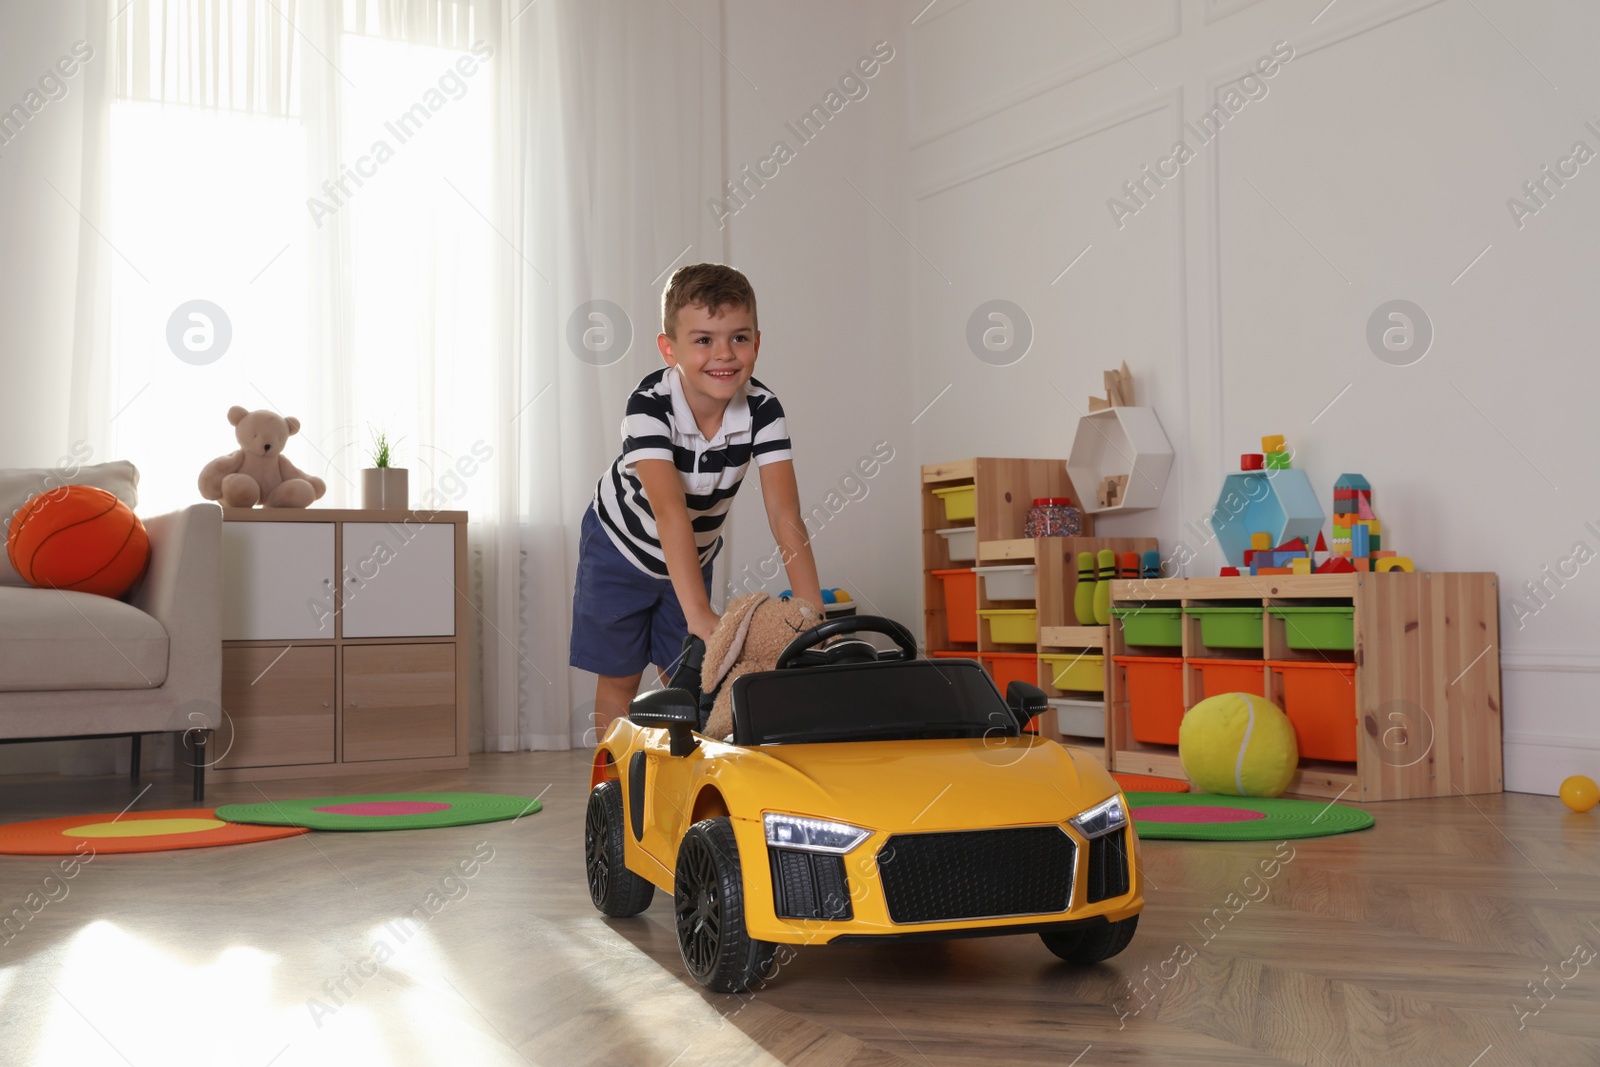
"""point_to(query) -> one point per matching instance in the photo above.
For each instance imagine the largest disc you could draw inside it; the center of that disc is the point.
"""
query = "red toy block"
(1336, 565)
(1249, 554)
(1294, 545)
(1322, 542)
(1251, 461)
(1230, 572)
(1274, 570)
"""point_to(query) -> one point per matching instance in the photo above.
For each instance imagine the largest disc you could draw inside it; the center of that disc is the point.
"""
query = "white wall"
(38, 233)
(831, 278)
(1376, 166)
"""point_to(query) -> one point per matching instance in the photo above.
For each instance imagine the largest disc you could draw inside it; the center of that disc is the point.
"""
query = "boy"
(691, 431)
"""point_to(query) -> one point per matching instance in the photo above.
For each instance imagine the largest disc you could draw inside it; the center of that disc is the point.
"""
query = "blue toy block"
(1280, 502)
(1150, 565)
(1352, 481)
(1360, 542)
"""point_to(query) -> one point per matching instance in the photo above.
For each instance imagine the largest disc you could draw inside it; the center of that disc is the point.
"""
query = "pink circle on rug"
(385, 807)
(1195, 813)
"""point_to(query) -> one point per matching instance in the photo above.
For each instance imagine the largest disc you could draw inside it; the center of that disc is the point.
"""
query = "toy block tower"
(1357, 533)
(1352, 506)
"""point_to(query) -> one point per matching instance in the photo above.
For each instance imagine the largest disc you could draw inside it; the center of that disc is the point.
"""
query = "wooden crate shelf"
(1005, 489)
(1426, 670)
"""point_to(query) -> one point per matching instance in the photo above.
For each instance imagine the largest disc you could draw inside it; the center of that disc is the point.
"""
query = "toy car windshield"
(889, 701)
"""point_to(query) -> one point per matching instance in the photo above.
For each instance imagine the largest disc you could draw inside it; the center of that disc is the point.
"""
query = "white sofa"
(76, 665)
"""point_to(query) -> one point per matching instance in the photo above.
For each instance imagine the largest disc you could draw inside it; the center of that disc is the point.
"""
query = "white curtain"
(610, 134)
(566, 159)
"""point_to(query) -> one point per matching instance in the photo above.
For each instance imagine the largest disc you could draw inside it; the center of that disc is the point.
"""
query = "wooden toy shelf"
(1003, 491)
(1425, 668)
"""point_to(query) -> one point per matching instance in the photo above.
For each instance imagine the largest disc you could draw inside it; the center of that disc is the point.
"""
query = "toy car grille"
(1108, 867)
(977, 873)
(809, 885)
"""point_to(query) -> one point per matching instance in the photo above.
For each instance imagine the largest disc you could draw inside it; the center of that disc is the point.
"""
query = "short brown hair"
(713, 286)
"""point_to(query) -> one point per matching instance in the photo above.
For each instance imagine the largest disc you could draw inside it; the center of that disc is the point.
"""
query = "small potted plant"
(383, 487)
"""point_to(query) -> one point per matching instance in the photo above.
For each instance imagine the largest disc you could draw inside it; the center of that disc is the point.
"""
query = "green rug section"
(383, 811)
(1209, 817)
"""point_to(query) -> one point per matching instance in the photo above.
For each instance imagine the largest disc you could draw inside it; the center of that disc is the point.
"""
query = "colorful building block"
(1277, 461)
(1394, 563)
(1230, 572)
(1251, 461)
(1274, 443)
(1386, 553)
(1301, 565)
(1336, 565)
(1261, 541)
(1361, 563)
(1275, 570)
(1360, 541)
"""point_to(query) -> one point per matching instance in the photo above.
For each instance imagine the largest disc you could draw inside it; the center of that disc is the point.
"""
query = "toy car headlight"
(813, 835)
(1101, 819)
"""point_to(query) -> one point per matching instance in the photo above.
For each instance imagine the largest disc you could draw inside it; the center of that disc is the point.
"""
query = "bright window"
(225, 206)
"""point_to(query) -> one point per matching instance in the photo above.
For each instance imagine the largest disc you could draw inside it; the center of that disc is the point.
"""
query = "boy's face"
(715, 351)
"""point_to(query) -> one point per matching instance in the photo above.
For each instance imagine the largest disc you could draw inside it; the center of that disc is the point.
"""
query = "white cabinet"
(399, 579)
(344, 643)
(277, 581)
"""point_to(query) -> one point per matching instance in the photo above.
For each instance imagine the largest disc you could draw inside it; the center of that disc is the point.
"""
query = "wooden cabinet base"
(279, 703)
(399, 702)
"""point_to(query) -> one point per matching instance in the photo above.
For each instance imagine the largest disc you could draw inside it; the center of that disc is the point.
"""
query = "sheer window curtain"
(539, 155)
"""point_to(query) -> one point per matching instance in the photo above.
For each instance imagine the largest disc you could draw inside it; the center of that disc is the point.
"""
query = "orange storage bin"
(960, 603)
(1219, 676)
(1155, 697)
(1320, 700)
(1008, 667)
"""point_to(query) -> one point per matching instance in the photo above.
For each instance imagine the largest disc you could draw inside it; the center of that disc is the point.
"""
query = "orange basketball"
(80, 538)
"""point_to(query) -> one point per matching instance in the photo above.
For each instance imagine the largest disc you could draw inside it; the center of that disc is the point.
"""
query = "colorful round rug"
(132, 831)
(1209, 817)
(1149, 783)
(383, 811)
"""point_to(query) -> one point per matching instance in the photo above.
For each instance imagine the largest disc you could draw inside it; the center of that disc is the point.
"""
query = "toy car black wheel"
(614, 889)
(708, 904)
(1092, 945)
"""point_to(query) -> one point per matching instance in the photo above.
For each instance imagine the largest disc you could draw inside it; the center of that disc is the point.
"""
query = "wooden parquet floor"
(1457, 932)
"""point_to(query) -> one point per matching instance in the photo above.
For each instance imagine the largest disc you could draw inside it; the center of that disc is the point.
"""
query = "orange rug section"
(132, 831)
(1149, 783)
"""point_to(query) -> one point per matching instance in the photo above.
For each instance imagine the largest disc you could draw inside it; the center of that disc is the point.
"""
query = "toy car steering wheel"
(876, 624)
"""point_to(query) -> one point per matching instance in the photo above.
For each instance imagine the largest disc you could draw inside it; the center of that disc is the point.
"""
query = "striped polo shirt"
(659, 424)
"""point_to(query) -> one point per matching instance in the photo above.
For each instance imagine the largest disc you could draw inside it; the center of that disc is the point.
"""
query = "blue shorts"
(622, 618)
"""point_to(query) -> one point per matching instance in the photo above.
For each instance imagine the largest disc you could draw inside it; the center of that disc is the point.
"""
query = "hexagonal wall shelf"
(1280, 502)
(1120, 440)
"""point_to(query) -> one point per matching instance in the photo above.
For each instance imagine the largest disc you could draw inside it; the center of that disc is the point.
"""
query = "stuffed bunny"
(752, 632)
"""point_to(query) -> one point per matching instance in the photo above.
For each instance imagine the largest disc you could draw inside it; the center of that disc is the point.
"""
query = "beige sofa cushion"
(50, 639)
(19, 484)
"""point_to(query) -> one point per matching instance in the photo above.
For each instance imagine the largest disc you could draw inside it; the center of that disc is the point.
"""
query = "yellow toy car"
(863, 796)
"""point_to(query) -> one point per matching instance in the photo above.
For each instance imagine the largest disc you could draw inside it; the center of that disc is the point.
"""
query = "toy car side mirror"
(1026, 701)
(676, 710)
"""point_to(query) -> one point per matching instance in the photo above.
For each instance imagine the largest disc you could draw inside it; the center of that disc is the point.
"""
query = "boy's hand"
(704, 626)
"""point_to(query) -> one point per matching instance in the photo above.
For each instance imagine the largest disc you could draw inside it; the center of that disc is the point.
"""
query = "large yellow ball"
(1238, 744)
(1580, 793)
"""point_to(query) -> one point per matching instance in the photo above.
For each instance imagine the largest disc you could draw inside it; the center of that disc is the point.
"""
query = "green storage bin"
(1319, 628)
(1151, 626)
(1228, 627)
